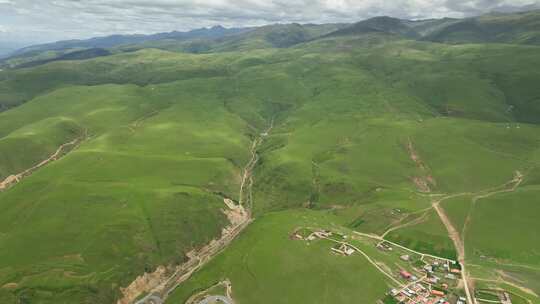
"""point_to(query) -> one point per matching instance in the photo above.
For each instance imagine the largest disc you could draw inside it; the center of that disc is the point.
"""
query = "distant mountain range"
(176, 167)
(7, 48)
(520, 28)
(116, 40)
(516, 28)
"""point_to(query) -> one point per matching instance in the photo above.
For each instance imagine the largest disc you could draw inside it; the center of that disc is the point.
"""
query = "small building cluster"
(433, 287)
(383, 246)
(422, 293)
(311, 236)
(340, 248)
(343, 249)
(407, 275)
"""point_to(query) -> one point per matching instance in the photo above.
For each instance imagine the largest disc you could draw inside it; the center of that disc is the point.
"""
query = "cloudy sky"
(32, 21)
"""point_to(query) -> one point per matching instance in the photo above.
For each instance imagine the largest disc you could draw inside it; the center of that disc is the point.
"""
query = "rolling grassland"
(369, 131)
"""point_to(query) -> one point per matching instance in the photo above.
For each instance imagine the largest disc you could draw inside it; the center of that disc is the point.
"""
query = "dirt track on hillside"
(423, 184)
(515, 182)
(15, 178)
(239, 216)
(137, 123)
(414, 222)
(425, 181)
(195, 299)
(458, 238)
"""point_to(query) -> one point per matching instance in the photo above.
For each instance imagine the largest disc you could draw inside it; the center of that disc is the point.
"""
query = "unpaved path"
(216, 299)
(199, 298)
(457, 238)
(500, 280)
(138, 122)
(515, 182)
(421, 254)
(425, 181)
(423, 184)
(13, 179)
(453, 233)
(460, 248)
(247, 180)
(369, 259)
(240, 217)
(416, 221)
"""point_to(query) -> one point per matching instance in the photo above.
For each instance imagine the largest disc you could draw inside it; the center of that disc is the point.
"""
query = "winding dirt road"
(247, 180)
(369, 259)
(15, 178)
(163, 286)
(460, 248)
(458, 238)
(423, 184)
(416, 221)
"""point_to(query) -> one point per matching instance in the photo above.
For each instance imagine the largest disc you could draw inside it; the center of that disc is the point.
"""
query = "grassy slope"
(266, 266)
(141, 68)
(344, 110)
(502, 235)
(314, 153)
(153, 182)
(502, 28)
(429, 236)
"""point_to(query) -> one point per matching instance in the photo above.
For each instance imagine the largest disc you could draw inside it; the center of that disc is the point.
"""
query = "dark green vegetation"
(65, 47)
(165, 135)
(75, 55)
(522, 28)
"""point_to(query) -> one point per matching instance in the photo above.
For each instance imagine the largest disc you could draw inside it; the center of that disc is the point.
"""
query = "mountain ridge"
(520, 28)
(123, 164)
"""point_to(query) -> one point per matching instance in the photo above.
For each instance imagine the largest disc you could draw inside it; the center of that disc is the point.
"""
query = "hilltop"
(516, 28)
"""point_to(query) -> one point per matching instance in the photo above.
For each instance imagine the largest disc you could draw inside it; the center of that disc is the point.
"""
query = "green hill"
(512, 28)
(370, 125)
(384, 24)
(521, 28)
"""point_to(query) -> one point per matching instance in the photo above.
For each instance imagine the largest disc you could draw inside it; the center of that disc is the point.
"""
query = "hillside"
(514, 28)
(521, 28)
(117, 40)
(122, 161)
(385, 24)
(215, 39)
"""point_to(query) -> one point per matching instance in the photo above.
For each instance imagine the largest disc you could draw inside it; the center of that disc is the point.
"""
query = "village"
(417, 278)
(427, 279)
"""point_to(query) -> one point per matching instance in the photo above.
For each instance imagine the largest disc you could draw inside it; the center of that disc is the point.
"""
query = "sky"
(38, 21)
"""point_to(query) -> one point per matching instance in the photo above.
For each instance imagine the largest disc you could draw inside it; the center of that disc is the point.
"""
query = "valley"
(384, 161)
